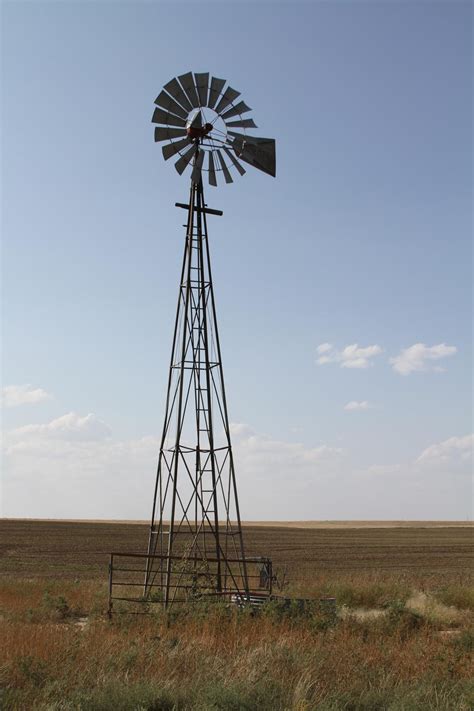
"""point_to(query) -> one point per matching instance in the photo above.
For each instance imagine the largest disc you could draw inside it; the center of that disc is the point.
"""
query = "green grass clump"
(460, 596)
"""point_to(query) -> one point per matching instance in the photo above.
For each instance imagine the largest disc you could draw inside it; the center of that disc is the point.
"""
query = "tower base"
(192, 580)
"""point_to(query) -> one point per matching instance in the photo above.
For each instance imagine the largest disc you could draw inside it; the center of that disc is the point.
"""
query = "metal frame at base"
(189, 583)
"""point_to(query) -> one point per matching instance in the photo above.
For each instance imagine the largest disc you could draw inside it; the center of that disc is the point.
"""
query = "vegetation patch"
(403, 638)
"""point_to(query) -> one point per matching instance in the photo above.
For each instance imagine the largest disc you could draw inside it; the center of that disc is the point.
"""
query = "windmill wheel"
(198, 119)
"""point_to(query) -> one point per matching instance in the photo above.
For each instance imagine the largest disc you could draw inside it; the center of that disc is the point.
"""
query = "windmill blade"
(185, 159)
(259, 152)
(196, 174)
(243, 123)
(225, 170)
(240, 108)
(165, 134)
(234, 160)
(174, 88)
(166, 102)
(187, 82)
(227, 98)
(216, 87)
(160, 116)
(202, 84)
(173, 148)
(236, 134)
(244, 137)
(212, 171)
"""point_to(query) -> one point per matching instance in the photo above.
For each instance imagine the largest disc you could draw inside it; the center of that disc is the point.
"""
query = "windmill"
(196, 545)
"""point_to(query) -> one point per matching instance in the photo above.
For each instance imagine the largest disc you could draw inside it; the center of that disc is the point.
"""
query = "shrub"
(457, 596)
(56, 607)
(465, 641)
(402, 620)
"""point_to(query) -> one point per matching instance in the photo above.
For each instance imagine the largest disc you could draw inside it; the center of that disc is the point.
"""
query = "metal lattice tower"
(196, 544)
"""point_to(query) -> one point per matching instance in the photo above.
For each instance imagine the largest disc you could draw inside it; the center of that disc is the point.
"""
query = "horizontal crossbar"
(207, 210)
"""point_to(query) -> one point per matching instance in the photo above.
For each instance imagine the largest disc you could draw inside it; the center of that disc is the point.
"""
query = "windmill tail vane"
(196, 542)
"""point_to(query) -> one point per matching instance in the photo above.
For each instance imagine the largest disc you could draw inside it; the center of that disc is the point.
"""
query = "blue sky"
(363, 238)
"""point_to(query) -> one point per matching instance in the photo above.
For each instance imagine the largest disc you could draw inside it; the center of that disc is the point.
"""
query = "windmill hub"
(200, 124)
(199, 131)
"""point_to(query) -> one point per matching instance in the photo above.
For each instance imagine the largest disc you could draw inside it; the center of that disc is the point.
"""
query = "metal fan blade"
(259, 152)
(225, 170)
(172, 148)
(181, 164)
(196, 174)
(166, 102)
(227, 98)
(212, 171)
(243, 123)
(234, 160)
(237, 110)
(202, 83)
(187, 82)
(241, 136)
(216, 87)
(173, 88)
(165, 134)
(160, 116)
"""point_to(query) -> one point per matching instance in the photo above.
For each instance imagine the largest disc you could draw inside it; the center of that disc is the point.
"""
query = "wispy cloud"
(452, 449)
(269, 452)
(67, 428)
(419, 357)
(357, 405)
(74, 467)
(352, 356)
(16, 395)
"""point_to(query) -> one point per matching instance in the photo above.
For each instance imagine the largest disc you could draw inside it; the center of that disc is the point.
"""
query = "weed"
(33, 670)
(403, 620)
(465, 641)
(56, 607)
(459, 596)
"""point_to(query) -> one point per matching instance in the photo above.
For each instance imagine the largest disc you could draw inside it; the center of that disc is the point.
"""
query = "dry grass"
(223, 659)
(388, 650)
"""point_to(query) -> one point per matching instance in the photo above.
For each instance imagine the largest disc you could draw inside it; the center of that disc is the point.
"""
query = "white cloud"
(265, 448)
(73, 467)
(324, 348)
(280, 479)
(351, 356)
(450, 450)
(417, 357)
(357, 405)
(15, 395)
(68, 428)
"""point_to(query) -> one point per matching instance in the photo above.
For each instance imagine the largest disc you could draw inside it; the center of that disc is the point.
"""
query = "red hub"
(199, 131)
